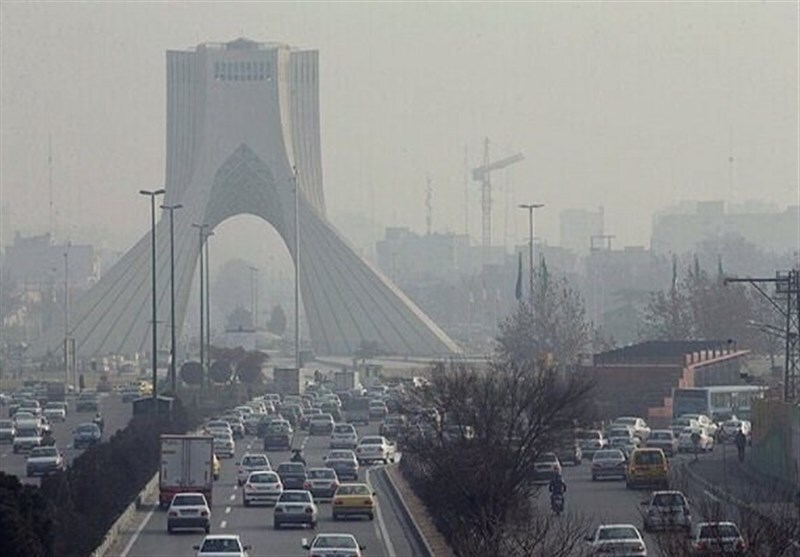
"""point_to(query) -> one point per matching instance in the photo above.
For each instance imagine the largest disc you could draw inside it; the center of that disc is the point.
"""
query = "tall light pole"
(254, 294)
(66, 315)
(201, 229)
(208, 299)
(172, 374)
(531, 207)
(152, 195)
(296, 269)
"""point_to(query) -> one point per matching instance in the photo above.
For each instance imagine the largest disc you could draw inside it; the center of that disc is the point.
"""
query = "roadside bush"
(26, 520)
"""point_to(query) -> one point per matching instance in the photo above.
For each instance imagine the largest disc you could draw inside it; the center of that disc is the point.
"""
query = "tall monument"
(242, 122)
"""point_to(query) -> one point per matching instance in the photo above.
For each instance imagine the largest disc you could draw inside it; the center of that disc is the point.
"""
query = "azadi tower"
(242, 123)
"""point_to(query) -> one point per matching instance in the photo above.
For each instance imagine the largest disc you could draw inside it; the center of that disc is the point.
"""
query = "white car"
(224, 445)
(617, 539)
(667, 509)
(222, 546)
(333, 545)
(375, 447)
(260, 487)
(7, 431)
(251, 463)
(26, 439)
(217, 426)
(591, 441)
(640, 428)
(704, 422)
(44, 460)
(679, 424)
(56, 411)
(295, 506)
(189, 510)
(717, 538)
(732, 426)
(344, 436)
(686, 444)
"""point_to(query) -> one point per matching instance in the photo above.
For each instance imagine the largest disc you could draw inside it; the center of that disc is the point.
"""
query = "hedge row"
(70, 514)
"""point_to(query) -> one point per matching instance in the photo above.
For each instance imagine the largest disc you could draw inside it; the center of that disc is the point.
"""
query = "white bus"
(719, 402)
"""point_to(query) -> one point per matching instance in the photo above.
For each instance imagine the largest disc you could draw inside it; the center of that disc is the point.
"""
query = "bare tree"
(472, 443)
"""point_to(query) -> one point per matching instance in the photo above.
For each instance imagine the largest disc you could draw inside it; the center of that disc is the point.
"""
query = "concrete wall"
(776, 440)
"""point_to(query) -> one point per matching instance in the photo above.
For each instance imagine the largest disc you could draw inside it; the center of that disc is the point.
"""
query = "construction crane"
(483, 174)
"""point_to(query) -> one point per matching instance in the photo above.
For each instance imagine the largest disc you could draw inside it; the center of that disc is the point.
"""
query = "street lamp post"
(296, 269)
(530, 207)
(152, 195)
(201, 229)
(172, 373)
(208, 300)
(254, 295)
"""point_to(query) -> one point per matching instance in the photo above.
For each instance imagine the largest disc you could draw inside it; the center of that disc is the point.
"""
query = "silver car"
(295, 506)
(617, 539)
(667, 509)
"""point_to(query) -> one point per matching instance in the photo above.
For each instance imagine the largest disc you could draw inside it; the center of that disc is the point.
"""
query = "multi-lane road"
(386, 535)
(116, 415)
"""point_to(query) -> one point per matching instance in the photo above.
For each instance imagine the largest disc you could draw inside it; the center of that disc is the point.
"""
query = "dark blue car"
(86, 435)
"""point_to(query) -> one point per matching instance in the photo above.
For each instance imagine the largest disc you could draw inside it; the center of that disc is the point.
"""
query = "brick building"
(637, 380)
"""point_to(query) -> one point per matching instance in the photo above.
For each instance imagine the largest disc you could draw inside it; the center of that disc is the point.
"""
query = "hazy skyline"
(628, 106)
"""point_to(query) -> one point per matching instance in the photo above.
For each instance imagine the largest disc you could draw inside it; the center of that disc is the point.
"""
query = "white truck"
(187, 464)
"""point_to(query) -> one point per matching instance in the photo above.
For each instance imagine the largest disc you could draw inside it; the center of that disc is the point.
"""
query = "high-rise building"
(578, 226)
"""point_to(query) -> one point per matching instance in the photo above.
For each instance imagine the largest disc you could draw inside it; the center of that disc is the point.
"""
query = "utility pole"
(152, 195)
(531, 207)
(254, 295)
(173, 376)
(66, 316)
(296, 269)
(787, 289)
(208, 299)
(201, 229)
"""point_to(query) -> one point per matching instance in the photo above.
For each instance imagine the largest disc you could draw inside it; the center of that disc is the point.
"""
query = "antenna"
(429, 206)
(51, 222)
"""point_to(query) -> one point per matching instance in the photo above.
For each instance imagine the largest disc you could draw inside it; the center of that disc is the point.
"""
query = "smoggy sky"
(629, 106)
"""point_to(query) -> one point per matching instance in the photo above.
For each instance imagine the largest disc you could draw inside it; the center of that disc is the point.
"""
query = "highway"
(116, 415)
(386, 535)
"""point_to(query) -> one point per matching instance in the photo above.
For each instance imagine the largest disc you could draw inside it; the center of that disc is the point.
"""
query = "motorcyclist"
(740, 440)
(298, 457)
(557, 486)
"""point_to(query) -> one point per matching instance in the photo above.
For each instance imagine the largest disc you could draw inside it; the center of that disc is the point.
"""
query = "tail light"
(334, 485)
(309, 510)
(248, 486)
(741, 545)
(306, 485)
(368, 501)
(203, 513)
(338, 502)
(173, 513)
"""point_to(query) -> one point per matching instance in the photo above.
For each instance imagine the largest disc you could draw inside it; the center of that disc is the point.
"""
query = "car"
(222, 546)
(262, 486)
(625, 444)
(87, 402)
(393, 425)
(570, 451)
(695, 439)
(7, 431)
(617, 539)
(321, 424)
(214, 426)
(129, 393)
(293, 474)
(666, 510)
(224, 445)
(647, 466)
(609, 463)
(377, 410)
(344, 436)
(31, 406)
(679, 424)
(251, 462)
(321, 482)
(43, 461)
(333, 545)
(244, 410)
(545, 468)
(236, 423)
(729, 429)
(663, 439)
(295, 506)
(591, 440)
(716, 538)
(86, 435)
(373, 448)
(639, 426)
(55, 411)
(704, 422)
(307, 415)
(344, 463)
(251, 422)
(279, 435)
(353, 499)
(619, 430)
(189, 510)
(22, 417)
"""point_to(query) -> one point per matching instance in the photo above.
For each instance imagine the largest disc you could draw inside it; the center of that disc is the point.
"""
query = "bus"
(719, 402)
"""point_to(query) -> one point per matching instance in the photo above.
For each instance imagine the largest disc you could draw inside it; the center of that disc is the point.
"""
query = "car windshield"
(617, 533)
(263, 478)
(254, 461)
(608, 455)
(221, 545)
(353, 490)
(218, 424)
(547, 457)
(321, 474)
(344, 429)
(344, 455)
(27, 432)
(717, 531)
(221, 436)
(661, 435)
(190, 500)
(625, 421)
(6, 424)
(54, 406)
(291, 468)
(648, 457)
(668, 500)
(589, 435)
(295, 497)
(372, 441)
(87, 428)
(331, 542)
(44, 451)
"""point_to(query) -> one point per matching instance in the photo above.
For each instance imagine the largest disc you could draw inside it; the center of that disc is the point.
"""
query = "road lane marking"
(233, 497)
(138, 531)
(381, 529)
(227, 510)
(223, 524)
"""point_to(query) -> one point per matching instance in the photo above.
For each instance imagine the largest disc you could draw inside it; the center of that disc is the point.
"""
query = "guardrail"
(408, 516)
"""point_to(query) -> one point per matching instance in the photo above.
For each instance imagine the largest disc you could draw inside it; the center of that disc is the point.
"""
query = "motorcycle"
(557, 503)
